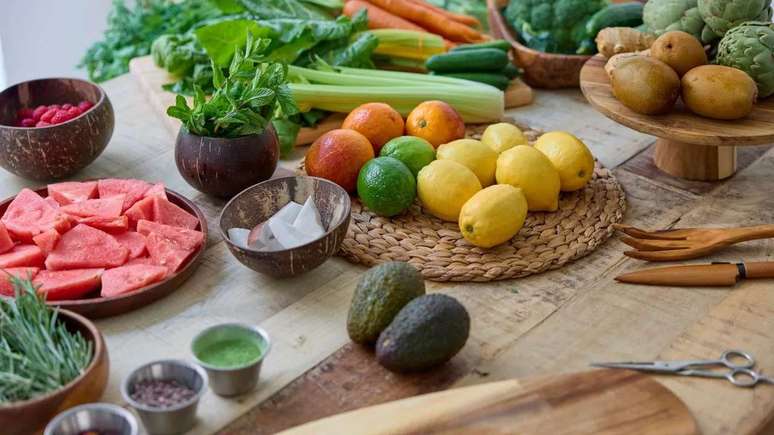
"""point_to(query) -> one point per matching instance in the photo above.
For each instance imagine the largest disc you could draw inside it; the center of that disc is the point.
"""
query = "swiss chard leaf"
(221, 40)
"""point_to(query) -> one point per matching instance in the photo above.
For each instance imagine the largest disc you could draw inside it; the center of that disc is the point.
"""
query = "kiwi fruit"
(679, 50)
(646, 85)
(719, 92)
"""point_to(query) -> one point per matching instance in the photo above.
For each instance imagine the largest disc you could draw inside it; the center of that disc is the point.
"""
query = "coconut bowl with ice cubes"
(288, 226)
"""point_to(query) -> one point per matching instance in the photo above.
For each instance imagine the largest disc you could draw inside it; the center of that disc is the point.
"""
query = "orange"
(436, 122)
(338, 156)
(378, 122)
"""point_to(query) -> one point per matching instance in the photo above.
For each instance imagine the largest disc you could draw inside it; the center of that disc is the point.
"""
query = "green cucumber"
(482, 59)
(500, 44)
(511, 71)
(616, 15)
(493, 79)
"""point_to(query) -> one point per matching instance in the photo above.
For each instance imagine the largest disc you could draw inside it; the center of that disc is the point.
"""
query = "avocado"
(427, 332)
(382, 292)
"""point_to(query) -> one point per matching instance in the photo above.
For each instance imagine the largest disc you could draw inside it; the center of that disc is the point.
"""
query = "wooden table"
(551, 323)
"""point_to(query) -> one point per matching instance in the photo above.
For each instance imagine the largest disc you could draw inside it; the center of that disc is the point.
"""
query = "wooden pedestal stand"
(689, 146)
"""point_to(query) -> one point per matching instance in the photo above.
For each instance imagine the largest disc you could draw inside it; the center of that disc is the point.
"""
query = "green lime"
(386, 186)
(414, 152)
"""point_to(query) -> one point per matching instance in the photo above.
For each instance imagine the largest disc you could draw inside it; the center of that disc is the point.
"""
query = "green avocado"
(381, 293)
(426, 333)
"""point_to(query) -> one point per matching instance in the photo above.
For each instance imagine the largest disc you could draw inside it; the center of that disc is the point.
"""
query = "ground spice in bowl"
(235, 352)
(161, 393)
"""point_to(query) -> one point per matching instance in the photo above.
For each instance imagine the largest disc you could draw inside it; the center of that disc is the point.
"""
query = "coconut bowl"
(30, 416)
(258, 203)
(57, 151)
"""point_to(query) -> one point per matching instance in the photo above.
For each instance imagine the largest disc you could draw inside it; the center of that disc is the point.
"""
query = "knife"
(714, 274)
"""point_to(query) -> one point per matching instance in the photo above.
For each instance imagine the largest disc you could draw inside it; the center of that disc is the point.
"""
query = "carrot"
(378, 18)
(460, 18)
(431, 20)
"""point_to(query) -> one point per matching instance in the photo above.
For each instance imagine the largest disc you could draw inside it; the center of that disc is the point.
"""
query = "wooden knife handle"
(763, 269)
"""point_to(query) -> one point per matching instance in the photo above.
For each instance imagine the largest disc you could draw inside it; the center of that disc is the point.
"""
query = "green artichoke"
(750, 47)
(723, 15)
(661, 16)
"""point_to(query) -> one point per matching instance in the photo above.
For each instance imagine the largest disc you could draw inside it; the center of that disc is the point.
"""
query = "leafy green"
(267, 9)
(177, 53)
(475, 8)
(220, 40)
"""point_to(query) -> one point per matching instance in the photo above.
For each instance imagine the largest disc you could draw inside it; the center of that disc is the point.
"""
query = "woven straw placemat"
(547, 240)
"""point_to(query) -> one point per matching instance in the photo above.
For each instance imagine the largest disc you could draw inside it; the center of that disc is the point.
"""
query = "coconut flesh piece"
(292, 226)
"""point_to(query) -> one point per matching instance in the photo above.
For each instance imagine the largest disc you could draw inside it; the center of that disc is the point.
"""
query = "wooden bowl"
(58, 151)
(258, 203)
(541, 70)
(99, 307)
(29, 416)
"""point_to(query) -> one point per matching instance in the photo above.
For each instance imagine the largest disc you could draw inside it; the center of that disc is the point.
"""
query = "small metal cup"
(232, 381)
(175, 419)
(93, 416)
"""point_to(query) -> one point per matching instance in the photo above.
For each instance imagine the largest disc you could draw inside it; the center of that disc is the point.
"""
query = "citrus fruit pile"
(487, 186)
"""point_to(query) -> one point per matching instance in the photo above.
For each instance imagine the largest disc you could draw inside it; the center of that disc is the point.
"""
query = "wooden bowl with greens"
(44, 381)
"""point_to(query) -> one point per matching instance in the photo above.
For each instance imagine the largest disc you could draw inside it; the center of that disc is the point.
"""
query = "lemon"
(493, 215)
(476, 156)
(570, 157)
(525, 167)
(444, 186)
(503, 136)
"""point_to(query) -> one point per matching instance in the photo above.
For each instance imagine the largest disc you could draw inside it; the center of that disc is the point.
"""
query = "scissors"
(740, 373)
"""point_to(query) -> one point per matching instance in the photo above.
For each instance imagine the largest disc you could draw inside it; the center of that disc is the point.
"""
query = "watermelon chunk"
(167, 252)
(67, 284)
(86, 247)
(142, 260)
(164, 212)
(29, 215)
(22, 256)
(6, 288)
(47, 240)
(134, 242)
(185, 238)
(52, 202)
(112, 225)
(133, 189)
(158, 189)
(107, 208)
(6, 243)
(72, 191)
(127, 278)
(142, 209)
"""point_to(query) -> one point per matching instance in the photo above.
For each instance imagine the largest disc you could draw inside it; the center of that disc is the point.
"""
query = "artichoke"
(750, 47)
(661, 16)
(723, 15)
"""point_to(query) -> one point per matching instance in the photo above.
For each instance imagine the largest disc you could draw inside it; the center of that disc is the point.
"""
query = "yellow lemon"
(503, 136)
(493, 215)
(570, 157)
(444, 186)
(476, 156)
(525, 167)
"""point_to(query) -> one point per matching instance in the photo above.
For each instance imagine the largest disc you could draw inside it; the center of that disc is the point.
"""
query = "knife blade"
(714, 274)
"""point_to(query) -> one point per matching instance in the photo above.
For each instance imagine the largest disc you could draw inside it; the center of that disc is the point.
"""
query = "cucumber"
(497, 80)
(616, 15)
(482, 59)
(499, 44)
(511, 71)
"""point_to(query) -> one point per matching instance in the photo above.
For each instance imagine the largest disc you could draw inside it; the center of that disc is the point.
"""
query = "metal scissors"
(741, 371)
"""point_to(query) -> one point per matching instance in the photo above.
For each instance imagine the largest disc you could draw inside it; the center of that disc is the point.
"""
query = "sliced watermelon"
(52, 202)
(86, 247)
(142, 260)
(185, 238)
(134, 242)
(112, 225)
(168, 252)
(47, 240)
(142, 209)
(72, 191)
(164, 212)
(67, 284)
(127, 278)
(29, 215)
(107, 208)
(22, 256)
(6, 243)
(158, 189)
(6, 288)
(133, 189)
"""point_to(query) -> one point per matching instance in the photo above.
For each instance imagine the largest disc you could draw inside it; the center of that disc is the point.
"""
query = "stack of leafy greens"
(37, 352)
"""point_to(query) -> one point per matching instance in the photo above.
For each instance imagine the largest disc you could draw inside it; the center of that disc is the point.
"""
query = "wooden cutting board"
(600, 402)
(151, 78)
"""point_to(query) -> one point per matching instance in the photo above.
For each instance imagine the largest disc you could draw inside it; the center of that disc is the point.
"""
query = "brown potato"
(679, 50)
(646, 85)
(719, 92)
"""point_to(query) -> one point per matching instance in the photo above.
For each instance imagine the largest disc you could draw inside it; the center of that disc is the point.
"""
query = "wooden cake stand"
(689, 146)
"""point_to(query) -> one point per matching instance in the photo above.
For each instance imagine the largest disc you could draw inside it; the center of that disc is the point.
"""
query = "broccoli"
(553, 26)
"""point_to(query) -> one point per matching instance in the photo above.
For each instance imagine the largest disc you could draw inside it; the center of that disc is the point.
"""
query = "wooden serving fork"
(686, 243)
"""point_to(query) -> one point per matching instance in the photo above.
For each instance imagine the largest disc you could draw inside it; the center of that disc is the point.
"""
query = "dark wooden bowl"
(224, 167)
(58, 151)
(30, 416)
(257, 204)
(99, 307)
(541, 70)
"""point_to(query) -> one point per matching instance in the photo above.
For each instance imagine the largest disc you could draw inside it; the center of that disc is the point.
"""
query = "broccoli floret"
(553, 26)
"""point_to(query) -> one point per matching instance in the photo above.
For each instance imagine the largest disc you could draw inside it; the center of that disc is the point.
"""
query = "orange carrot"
(430, 20)
(460, 18)
(378, 18)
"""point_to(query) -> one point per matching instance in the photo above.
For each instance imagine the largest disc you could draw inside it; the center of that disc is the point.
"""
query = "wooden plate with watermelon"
(100, 248)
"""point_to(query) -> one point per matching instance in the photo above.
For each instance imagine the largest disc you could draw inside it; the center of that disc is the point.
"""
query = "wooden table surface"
(556, 322)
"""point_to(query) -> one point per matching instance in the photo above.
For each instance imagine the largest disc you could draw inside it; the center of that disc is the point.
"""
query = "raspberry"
(54, 106)
(74, 111)
(38, 112)
(42, 124)
(49, 114)
(85, 105)
(66, 106)
(27, 122)
(60, 117)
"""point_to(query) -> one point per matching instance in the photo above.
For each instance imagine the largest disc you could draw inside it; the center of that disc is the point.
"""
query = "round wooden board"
(99, 307)
(680, 125)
